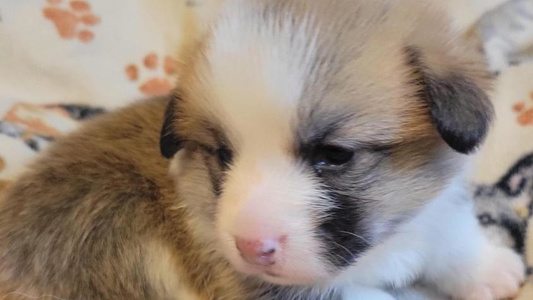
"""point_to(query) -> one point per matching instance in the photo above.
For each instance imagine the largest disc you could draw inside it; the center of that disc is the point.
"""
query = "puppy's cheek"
(200, 169)
(194, 187)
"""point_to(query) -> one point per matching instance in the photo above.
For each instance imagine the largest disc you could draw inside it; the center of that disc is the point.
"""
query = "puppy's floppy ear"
(169, 141)
(456, 96)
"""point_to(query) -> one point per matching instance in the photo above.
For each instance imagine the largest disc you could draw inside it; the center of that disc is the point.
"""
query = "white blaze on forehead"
(257, 69)
(257, 72)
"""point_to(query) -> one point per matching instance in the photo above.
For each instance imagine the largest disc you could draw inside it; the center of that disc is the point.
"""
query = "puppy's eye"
(332, 156)
(224, 156)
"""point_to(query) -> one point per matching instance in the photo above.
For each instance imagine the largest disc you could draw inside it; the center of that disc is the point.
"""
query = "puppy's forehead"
(271, 67)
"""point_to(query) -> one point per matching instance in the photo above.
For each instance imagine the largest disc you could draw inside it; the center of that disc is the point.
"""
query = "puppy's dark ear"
(169, 141)
(459, 106)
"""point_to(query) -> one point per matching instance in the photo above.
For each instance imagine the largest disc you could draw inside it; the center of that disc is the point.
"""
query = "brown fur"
(3, 185)
(79, 224)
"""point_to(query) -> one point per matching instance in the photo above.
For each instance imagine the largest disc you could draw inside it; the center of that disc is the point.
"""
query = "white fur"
(267, 75)
(444, 247)
(261, 132)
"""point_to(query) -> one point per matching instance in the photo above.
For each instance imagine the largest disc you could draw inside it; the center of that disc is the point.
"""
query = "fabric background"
(63, 61)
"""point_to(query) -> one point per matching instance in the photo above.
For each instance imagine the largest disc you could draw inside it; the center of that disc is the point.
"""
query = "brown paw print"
(159, 81)
(73, 20)
(524, 114)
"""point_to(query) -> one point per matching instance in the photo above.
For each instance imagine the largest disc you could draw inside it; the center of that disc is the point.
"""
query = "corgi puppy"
(313, 150)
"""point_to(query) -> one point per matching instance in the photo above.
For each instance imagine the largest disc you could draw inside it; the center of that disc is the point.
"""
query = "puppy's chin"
(282, 274)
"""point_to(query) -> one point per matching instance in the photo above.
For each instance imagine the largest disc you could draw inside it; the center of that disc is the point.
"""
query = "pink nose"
(261, 252)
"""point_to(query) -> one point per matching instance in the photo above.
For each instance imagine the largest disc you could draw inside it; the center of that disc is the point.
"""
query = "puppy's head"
(306, 131)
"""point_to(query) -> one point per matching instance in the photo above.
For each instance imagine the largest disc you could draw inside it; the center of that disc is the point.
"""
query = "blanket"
(66, 61)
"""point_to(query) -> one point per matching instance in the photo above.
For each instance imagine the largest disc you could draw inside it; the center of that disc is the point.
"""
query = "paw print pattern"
(72, 21)
(158, 80)
(524, 113)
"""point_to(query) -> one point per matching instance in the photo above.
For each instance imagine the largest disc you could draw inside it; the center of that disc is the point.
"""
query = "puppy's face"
(306, 133)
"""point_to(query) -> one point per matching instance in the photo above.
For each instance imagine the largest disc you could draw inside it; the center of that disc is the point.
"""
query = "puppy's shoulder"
(82, 211)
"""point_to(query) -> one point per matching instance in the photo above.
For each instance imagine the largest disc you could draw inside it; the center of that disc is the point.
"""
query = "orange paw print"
(71, 20)
(160, 81)
(524, 115)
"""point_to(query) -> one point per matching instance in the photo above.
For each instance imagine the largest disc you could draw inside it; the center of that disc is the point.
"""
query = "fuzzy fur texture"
(103, 215)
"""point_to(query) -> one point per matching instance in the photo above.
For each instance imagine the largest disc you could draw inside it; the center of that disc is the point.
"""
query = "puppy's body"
(88, 238)
(318, 151)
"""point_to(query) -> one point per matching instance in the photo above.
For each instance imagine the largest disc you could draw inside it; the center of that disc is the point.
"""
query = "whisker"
(344, 259)
(357, 236)
(346, 249)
